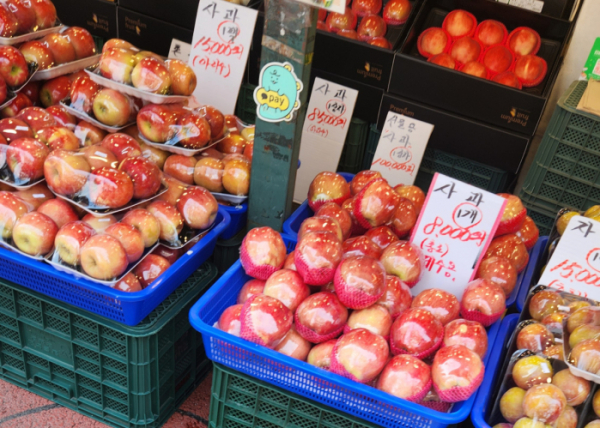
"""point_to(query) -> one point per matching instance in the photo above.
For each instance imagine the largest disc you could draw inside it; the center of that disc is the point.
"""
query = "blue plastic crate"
(239, 216)
(127, 308)
(311, 382)
(483, 401)
(532, 270)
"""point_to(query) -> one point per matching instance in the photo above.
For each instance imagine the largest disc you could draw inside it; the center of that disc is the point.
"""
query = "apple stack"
(486, 50)
(372, 27)
(19, 17)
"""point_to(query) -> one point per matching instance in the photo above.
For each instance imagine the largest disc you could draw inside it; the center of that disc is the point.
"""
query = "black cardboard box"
(99, 17)
(178, 12)
(517, 110)
(150, 33)
(461, 136)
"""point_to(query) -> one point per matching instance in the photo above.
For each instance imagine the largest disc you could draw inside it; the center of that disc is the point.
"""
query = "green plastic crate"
(119, 375)
(227, 252)
(566, 168)
(240, 401)
(354, 147)
(246, 107)
(372, 141)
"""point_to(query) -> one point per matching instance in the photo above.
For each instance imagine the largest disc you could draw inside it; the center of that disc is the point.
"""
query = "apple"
(150, 268)
(175, 189)
(236, 175)
(215, 119)
(500, 271)
(342, 21)
(403, 260)
(582, 316)
(575, 389)
(341, 216)
(320, 317)
(383, 236)
(232, 144)
(36, 195)
(508, 78)
(327, 187)
(122, 146)
(293, 345)
(194, 131)
(532, 370)
(465, 50)
(528, 423)
(320, 354)
(59, 211)
(169, 218)
(483, 301)
(198, 207)
(208, 173)
(474, 68)
(513, 215)
(83, 91)
(413, 194)
(117, 64)
(183, 78)
(529, 233)
(288, 287)
(360, 246)
(81, 40)
(265, 320)
(156, 122)
(146, 176)
(375, 318)
(543, 303)
(109, 188)
(375, 204)
(530, 70)
(359, 355)
(89, 134)
(544, 403)
(37, 52)
(33, 233)
(36, 117)
(250, 288)
(69, 240)
(112, 108)
(396, 12)
(583, 332)
(396, 298)
(491, 32)
(170, 254)
(404, 217)
(363, 8)
(317, 223)
(289, 262)
(585, 356)
(535, 337)
(510, 247)
(554, 321)
(469, 334)
(229, 321)
(129, 284)
(441, 304)
(460, 23)
(151, 75)
(4, 93)
(8, 22)
(511, 404)
(25, 158)
(14, 129)
(524, 41)
(58, 138)
(381, 42)
(13, 67)
(99, 157)
(99, 224)
(443, 60)
(317, 256)
(596, 403)
(181, 168)
(12, 208)
(45, 13)
(130, 238)
(54, 90)
(117, 43)
(359, 281)
(405, 377)
(433, 41)
(456, 372)
(568, 418)
(361, 179)
(497, 59)
(61, 48)
(262, 252)
(62, 117)
(416, 332)
(154, 155)
(371, 26)
(349, 34)
(17, 104)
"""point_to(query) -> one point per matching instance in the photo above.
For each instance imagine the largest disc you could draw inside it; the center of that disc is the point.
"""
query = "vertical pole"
(289, 36)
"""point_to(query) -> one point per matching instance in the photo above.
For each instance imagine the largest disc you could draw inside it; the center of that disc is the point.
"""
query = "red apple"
(130, 238)
(465, 50)
(288, 287)
(236, 175)
(17, 104)
(59, 211)
(83, 92)
(215, 119)
(250, 288)
(361, 179)
(293, 345)
(375, 318)
(109, 188)
(460, 23)
(543, 303)
(262, 252)
(469, 334)
(413, 194)
(535, 337)
(229, 321)
(483, 301)
(62, 117)
(575, 389)
(500, 271)
(348, 205)
(544, 403)
(342, 21)
(405, 377)
(320, 354)
(371, 26)
(170, 254)
(511, 247)
(156, 122)
(194, 131)
(530, 70)
(122, 146)
(14, 129)
(11, 209)
(69, 240)
(99, 157)
(349, 34)
(524, 41)
(403, 260)
(89, 134)
(58, 138)
(360, 246)
(491, 32)
(117, 43)
(327, 187)
(13, 67)
(181, 168)
(383, 236)
(183, 78)
(175, 189)
(117, 64)
(99, 224)
(198, 207)
(323, 224)
(208, 173)
(317, 256)
(359, 281)
(497, 59)
(232, 144)
(33, 233)
(265, 320)
(396, 12)
(4, 94)
(35, 195)
(61, 48)
(53, 91)
(36, 117)
(113, 108)
(321, 317)
(151, 75)
(443, 60)
(289, 262)
(45, 13)
(81, 40)
(146, 223)
(169, 218)
(554, 321)
(8, 22)
(529, 233)
(581, 333)
(475, 68)
(442, 305)
(416, 332)
(375, 204)
(129, 284)
(433, 41)
(335, 212)
(146, 176)
(359, 355)
(513, 215)
(25, 158)
(396, 298)
(150, 268)
(381, 42)
(30, 90)
(404, 218)
(456, 372)
(37, 52)
(364, 8)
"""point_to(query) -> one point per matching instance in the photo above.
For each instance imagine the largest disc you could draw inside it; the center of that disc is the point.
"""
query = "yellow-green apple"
(112, 108)
(320, 354)
(194, 131)
(13, 67)
(416, 332)
(442, 305)
(116, 43)
(456, 372)
(215, 119)
(25, 158)
(81, 40)
(151, 75)
(208, 173)
(532, 370)
(36, 117)
(61, 48)
(405, 377)
(585, 356)
(36, 195)
(198, 207)
(511, 404)
(543, 303)
(66, 172)
(169, 218)
(130, 238)
(535, 337)
(327, 187)
(145, 175)
(11, 209)
(375, 318)
(83, 92)
(129, 284)
(262, 252)
(265, 320)
(53, 91)
(396, 298)
(483, 301)
(88, 134)
(117, 64)
(229, 321)
(39, 53)
(146, 223)
(69, 240)
(181, 168)
(293, 345)
(59, 211)
(372, 347)
(17, 104)
(250, 288)
(544, 403)
(403, 260)
(321, 317)
(109, 188)
(8, 22)
(99, 157)
(183, 78)
(576, 389)
(62, 117)
(175, 189)
(57, 137)
(45, 13)
(34, 233)
(156, 122)
(121, 145)
(149, 269)
(103, 257)
(359, 281)
(99, 224)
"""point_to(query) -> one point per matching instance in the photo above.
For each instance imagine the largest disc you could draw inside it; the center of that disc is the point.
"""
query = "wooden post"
(289, 35)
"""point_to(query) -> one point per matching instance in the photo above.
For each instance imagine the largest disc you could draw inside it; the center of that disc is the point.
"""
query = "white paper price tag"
(180, 50)
(220, 47)
(454, 229)
(325, 128)
(575, 264)
(400, 149)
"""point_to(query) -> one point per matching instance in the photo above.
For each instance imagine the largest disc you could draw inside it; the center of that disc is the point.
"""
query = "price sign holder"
(400, 149)
(455, 228)
(325, 129)
(575, 264)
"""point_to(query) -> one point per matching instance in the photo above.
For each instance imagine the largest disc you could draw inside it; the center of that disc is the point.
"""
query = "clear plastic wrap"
(21, 155)
(581, 342)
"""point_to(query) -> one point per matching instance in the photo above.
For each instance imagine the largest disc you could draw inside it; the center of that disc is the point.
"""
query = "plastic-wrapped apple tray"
(15, 40)
(592, 377)
(66, 104)
(312, 382)
(69, 67)
(127, 308)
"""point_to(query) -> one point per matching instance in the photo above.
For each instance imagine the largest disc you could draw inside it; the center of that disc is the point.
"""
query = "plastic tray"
(128, 308)
(531, 271)
(239, 216)
(311, 382)
(130, 377)
(10, 41)
(178, 150)
(70, 67)
(66, 104)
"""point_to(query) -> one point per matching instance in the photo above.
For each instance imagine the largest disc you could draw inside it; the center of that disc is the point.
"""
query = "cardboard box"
(149, 33)
(461, 136)
(178, 12)
(99, 17)
(516, 110)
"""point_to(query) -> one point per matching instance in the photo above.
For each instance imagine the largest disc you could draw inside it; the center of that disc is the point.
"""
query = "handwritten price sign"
(454, 229)
(400, 149)
(220, 47)
(575, 263)
(328, 116)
